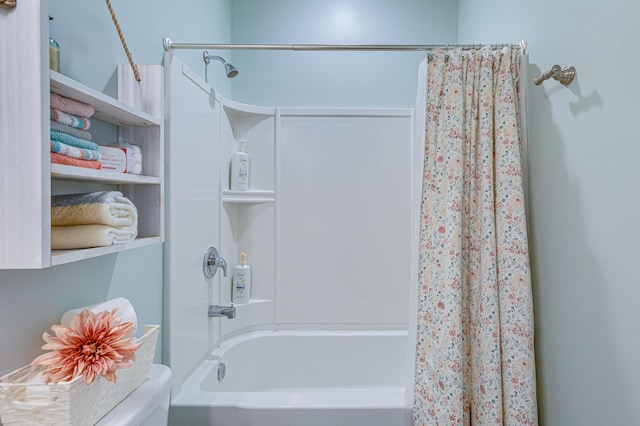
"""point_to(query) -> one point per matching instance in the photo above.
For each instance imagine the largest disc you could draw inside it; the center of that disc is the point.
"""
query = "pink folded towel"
(81, 123)
(71, 106)
(68, 161)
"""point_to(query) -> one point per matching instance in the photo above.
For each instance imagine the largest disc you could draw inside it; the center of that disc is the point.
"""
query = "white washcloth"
(125, 311)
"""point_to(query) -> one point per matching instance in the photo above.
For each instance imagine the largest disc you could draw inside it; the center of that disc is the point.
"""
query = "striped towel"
(73, 141)
(74, 152)
(63, 128)
(70, 120)
(71, 106)
(68, 161)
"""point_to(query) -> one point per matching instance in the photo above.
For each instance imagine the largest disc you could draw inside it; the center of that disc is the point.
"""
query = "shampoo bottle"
(240, 169)
(241, 291)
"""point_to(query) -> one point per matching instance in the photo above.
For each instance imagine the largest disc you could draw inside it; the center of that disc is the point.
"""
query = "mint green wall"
(582, 157)
(584, 177)
(31, 301)
(335, 79)
(90, 47)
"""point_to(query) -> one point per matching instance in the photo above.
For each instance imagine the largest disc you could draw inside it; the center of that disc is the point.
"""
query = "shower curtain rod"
(170, 45)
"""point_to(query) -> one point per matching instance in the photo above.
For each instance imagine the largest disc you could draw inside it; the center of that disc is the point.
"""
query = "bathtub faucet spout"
(222, 311)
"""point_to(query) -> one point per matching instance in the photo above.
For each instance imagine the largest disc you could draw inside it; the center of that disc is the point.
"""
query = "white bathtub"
(293, 378)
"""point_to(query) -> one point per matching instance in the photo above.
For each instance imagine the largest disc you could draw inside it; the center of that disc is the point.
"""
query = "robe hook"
(563, 75)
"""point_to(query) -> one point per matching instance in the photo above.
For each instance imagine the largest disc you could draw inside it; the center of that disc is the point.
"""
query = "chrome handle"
(211, 262)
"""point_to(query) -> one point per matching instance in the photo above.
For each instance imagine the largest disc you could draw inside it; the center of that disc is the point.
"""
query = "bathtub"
(294, 378)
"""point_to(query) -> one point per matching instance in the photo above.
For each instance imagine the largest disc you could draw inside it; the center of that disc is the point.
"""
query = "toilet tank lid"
(142, 401)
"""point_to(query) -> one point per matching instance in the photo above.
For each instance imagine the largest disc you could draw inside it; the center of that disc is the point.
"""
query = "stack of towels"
(96, 219)
(70, 137)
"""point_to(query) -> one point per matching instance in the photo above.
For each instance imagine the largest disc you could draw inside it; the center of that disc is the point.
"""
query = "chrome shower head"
(229, 69)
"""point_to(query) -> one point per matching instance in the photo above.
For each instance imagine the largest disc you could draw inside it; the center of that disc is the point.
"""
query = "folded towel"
(104, 208)
(69, 161)
(125, 312)
(73, 141)
(72, 151)
(70, 120)
(86, 236)
(88, 198)
(63, 128)
(71, 106)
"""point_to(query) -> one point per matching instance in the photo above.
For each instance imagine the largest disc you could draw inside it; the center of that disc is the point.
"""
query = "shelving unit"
(25, 170)
(145, 191)
(248, 217)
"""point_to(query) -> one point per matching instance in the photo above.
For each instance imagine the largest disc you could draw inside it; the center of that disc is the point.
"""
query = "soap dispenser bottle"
(241, 291)
(240, 170)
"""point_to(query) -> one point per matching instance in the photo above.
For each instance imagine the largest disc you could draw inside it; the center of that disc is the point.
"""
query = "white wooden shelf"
(60, 257)
(63, 172)
(107, 108)
(248, 197)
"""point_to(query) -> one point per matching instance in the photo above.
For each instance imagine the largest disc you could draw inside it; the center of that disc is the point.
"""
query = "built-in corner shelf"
(253, 302)
(248, 197)
(239, 109)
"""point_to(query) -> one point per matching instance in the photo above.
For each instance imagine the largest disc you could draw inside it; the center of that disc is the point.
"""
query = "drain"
(222, 370)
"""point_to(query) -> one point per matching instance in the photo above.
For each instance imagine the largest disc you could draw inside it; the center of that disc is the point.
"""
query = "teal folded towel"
(63, 128)
(73, 141)
(74, 152)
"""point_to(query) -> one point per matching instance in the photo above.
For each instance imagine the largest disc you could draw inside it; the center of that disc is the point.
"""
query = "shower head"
(229, 69)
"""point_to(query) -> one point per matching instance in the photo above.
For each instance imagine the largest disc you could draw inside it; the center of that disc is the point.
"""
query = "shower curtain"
(474, 349)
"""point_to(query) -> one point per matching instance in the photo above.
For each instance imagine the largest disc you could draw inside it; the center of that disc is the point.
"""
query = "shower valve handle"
(211, 262)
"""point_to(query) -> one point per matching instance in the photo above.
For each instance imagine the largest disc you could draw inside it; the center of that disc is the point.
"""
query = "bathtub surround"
(474, 360)
(317, 192)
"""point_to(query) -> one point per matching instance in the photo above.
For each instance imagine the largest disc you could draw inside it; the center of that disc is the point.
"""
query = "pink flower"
(94, 345)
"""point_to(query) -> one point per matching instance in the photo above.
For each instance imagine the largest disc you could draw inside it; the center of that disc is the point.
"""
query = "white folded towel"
(126, 312)
(87, 236)
(103, 208)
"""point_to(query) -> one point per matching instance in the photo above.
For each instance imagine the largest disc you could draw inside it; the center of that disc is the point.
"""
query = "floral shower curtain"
(474, 349)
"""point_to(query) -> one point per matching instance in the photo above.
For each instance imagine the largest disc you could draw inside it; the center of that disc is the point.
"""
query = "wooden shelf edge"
(61, 171)
(60, 257)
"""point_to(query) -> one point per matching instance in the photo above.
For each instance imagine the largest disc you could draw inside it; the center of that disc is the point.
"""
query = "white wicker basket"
(72, 403)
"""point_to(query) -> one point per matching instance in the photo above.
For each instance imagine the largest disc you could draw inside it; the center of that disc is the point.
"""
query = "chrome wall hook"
(563, 75)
